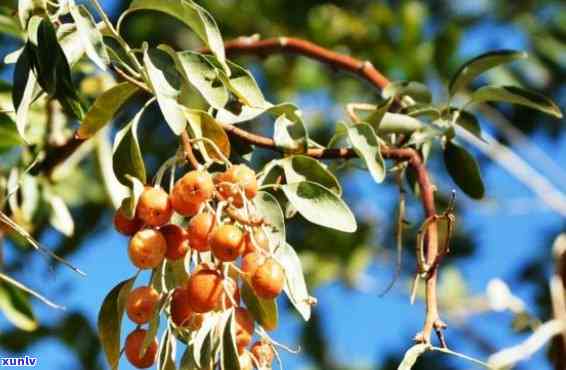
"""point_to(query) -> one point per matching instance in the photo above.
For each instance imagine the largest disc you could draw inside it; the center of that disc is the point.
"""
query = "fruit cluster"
(222, 239)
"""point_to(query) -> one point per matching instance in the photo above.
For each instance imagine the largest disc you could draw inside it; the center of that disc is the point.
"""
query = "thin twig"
(188, 150)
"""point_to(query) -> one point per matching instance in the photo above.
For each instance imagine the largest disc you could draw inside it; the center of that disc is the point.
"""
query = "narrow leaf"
(127, 157)
(320, 206)
(9, 136)
(90, 36)
(464, 170)
(367, 146)
(264, 311)
(229, 359)
(480, 64)
(15, 306)
(59, 215)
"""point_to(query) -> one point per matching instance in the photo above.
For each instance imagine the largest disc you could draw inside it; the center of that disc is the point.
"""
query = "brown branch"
(364, 70)
(188, 150)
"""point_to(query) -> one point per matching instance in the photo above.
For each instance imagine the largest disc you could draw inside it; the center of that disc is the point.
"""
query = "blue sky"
(360, 327)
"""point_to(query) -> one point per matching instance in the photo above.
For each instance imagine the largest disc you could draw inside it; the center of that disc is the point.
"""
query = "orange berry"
(244, 328)
(268, 279)
(235, 179)
(141, 304)
(134, 343)
(177, 241)
(251, 261)
(227, 242)
(204, 288)
(126, 226)
(154, 207)
(181, 312)
(199, 230)
(147, 249)
(190, 191)
(260, 239)
(263, 354)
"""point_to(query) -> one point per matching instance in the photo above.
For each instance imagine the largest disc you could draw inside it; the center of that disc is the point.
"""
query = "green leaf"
(264, 311)
(110, 321)
(202, 341)
(187, 360)
(59, 215)
(320, 206)
(365, 143)
(243, 84)
(415, 90)
(90, 36)
(105, 108)
(470, 123)
(9, 24)
(28, 8)
(129, 204)
(9, 136)
(127, 158)
(375, 118)
(302, 168)
(15, 305)
(290, 135)
(480, 64)
(167, 352)
(229, 359)
(464, 170)
(204, 125)
(191, 14)
(204, 77)
(516, 95)
(412, 355)
(422, 136)
(398, 123)
(23, 91)
(268, 207)
(295, 285)
(165, 82)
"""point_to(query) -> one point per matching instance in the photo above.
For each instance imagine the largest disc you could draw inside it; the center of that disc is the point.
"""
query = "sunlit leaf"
(268, 207)
(90, 36)
(480, 64)
(320, 206)
(105, 108)
(290, 135)
(15, 305)
(9, 136)
(167, 352)
(464, 170)
(129, 204)
(110, 321)
(229, 359)
(398, 123)
(28, 8)
(300, 168)
(59, 215)
(365, 143)
(415, 90)
(127, 157)
(516, 95)
(264, 311)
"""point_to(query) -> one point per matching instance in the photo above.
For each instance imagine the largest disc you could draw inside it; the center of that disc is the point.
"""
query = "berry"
(204, 289)
(126, 226)
(227, 242)
(181, 312)
(244, 328)
(236, 179)
(263, 354)
(268, 279)
(260, 239)
(141, 304)
(190, 191)
(177, 241)
(134, 343)
(199, 230)
(147, 249)
(251, 261)
(154, 207)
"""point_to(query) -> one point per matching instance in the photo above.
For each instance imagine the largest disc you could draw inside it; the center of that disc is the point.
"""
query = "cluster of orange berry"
(213, 285)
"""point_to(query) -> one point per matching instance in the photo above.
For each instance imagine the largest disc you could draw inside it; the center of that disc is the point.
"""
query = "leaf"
(203, 124)
(464, 170)
(90, 35)
(127, 158)
(295, 285)
(9, 136)
(129, 204)
(167, 352)
(15, 306)
(30, 291)
(105, 108)
(187, 360)
(301, 168)
(412, 355)
(204, 77)
(243, 84)
(516, 95)
(110, 321)
(268, 207)
(415, 90)
(264, 311)
(115, 190)
(59, 215)
(320, 206)
(473, 68)
(202, 341)
(191, 14)
(290, 136)
(398, 123)
(367, 146)
(9, 24)
(166, 84)
(375, 118)
(23, 91)
(470, 123)
(229, 359)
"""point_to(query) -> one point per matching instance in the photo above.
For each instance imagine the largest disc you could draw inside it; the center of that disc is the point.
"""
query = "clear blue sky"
(360, 327)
